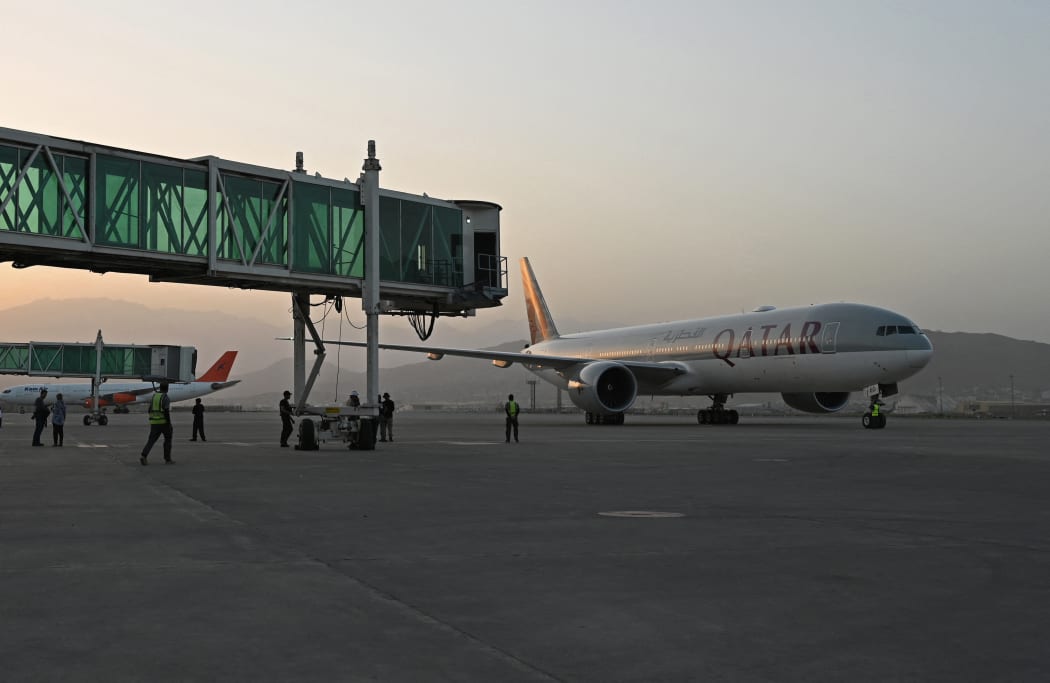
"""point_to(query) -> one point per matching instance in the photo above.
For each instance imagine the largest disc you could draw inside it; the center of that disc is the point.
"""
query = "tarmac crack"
(212, 515)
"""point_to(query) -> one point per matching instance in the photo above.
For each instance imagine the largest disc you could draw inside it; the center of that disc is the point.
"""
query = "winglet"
(541, 325)
(221, 370)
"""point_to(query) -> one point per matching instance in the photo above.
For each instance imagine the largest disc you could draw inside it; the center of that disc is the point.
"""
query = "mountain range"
(964, 366)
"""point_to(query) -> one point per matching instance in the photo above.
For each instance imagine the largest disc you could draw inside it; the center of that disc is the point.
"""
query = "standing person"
(1, 416)
(512, 410)
(198, 420)
(380, 421)
(354, 401)
(386, 419)
(285, 408)
(159, 424)
(58, 421)
(40, 413)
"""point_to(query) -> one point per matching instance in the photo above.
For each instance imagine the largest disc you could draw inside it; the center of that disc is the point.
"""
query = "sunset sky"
(656, 161)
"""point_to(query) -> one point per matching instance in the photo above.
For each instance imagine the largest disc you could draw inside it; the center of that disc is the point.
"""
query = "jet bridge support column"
(370, 298)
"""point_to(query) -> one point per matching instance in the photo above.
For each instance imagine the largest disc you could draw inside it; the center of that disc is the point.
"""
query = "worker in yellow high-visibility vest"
(512, 410)
(159, 423)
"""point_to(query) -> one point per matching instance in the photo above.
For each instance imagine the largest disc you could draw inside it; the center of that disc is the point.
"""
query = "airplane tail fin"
(541, 325)
(221, 370)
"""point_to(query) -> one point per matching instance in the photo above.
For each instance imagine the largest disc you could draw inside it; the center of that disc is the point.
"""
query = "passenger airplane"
(122, 394)
(814, 356)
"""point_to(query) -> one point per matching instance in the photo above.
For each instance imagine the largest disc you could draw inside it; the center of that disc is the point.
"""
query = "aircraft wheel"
(882, 421)
(103, 420)
(866, 421)
(87, 420)
(703, 417)
(589, 418)
(307, 435)
(617, 419)
(734, 417)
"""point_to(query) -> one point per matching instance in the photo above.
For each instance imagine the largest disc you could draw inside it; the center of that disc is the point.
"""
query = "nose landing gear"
(874, 418)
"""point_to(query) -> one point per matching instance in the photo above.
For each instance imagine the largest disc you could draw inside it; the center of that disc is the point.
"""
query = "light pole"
(1013, 411)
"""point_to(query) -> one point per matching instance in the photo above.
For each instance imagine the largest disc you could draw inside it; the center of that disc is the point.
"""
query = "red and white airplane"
(120, 394)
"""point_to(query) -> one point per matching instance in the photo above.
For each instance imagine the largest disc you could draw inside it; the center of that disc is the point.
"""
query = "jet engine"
(603, 387)
(818, 401)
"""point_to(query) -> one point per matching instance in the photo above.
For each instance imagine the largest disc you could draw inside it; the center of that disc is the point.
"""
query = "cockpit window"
(906, 329)
(881, 332)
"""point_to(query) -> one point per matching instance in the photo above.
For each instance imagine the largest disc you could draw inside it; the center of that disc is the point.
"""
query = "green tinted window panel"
(117, 194)
(170, 226)
(8, 173)
(75, 177)
(126, 361)
(417, 239)
(312, 235)
(348, 234)
(448, 245)
(195, 213)
(14, 357)
(79, 359)
(46, 358)
(389, 238)
(38, 199)
(250, 217)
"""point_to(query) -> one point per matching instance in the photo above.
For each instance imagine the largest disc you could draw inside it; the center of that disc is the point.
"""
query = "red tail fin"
(221, 370)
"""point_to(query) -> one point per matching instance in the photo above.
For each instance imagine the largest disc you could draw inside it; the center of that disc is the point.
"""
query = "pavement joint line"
(173, 493)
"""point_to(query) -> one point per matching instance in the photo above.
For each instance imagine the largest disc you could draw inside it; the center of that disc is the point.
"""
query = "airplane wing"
(655, 373)
(118, 397)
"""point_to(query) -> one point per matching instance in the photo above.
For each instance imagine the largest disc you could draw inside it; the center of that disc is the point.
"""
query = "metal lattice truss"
(215, 222)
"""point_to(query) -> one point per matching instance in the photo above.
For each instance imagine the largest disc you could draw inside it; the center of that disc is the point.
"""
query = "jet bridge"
(211, 221)
(99, 362)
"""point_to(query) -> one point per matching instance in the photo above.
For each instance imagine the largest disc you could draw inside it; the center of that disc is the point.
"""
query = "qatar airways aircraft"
(122, 394)
(814, 356)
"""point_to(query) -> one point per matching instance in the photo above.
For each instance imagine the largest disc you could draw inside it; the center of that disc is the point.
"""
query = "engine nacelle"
(818, 401)
(603, 387)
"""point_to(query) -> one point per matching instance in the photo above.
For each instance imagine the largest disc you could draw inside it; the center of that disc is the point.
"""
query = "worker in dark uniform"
(159, 424)
(285, 407)
(40, 413)
(386, 424)
(198, 420)
(512, 410)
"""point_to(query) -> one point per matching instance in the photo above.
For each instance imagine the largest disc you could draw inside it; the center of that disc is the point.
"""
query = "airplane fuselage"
(826, 348)
(116, 393)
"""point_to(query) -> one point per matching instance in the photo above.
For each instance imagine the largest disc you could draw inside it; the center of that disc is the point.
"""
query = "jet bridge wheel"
(307, 436)
(87, 420)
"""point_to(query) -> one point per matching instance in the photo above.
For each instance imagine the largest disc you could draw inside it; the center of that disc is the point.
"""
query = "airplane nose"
(919, 359)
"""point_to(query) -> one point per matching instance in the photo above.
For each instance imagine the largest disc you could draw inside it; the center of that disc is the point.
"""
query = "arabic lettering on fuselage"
(672, 336)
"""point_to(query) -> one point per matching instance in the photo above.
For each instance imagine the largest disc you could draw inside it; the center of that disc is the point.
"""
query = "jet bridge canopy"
(212, 221)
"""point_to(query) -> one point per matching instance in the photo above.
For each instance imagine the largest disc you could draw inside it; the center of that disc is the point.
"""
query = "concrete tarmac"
(803, 549)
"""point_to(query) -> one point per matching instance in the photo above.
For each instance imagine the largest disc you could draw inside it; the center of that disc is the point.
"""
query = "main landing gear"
(599, 419)
(101, 419)
(717, 413)
(874, 418)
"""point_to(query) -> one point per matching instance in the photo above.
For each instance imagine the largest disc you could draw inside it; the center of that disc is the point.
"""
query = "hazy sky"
(655, 160)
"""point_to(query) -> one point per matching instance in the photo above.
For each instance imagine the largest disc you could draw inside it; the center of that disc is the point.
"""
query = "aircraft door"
(830, 337)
